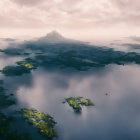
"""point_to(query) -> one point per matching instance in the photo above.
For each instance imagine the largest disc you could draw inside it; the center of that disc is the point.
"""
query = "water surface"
(115, 116)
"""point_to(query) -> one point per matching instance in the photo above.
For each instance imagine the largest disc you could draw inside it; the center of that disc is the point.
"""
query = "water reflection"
(114, 117)
(6, 60)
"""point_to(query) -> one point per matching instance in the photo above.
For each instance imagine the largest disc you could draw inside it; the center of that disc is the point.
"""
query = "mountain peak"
(54, 35)
(54, 38)
(54, 32)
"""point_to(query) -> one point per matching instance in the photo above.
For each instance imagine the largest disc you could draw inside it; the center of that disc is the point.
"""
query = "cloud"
(70, 14)
(28, 2)
(127, 4)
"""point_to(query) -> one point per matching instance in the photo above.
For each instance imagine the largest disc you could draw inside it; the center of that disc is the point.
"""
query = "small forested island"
(18, 70)
(44, 122)
(77, 102)
(26, 64)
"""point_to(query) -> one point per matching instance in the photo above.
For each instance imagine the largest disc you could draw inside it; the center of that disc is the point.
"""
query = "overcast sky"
(86, 18)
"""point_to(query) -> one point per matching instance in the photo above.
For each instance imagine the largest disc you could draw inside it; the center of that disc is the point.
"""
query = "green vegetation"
(15, 70)
(42, 121)
(26, 65)
(21, 68)
(64, 56)
(77, 102)
(79, 57)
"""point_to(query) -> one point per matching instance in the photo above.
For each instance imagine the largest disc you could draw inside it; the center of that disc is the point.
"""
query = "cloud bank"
(70, 14)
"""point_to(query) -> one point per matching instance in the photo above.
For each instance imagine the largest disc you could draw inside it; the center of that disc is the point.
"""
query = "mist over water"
(115, 116)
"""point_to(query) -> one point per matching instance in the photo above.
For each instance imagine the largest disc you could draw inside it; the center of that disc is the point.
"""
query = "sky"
(81, 19)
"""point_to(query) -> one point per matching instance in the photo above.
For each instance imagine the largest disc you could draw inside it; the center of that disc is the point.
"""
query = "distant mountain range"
(56, 38)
